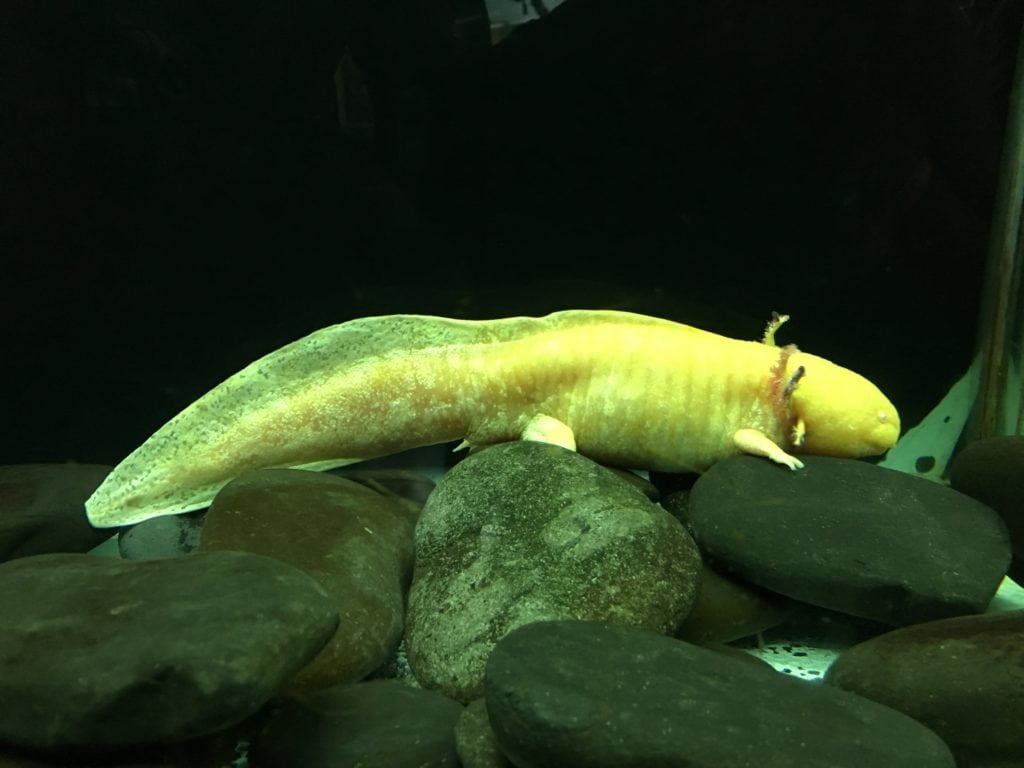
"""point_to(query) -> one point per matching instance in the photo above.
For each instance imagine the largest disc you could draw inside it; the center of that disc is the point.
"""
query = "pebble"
(159, 537)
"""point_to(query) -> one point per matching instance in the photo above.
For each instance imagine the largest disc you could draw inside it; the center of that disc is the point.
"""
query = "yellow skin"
(624, 389)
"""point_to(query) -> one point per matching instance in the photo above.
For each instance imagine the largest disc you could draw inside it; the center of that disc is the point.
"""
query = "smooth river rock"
(355, 541)
(849, 536)
(598, 695)
(526, 531)
(727, 610)
(475, 741)
(164, 536)
(962, 677)
(414, 487)
(97, 652)
(376, 724)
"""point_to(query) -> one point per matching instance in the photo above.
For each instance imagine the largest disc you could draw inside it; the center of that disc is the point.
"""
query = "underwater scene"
(525, 383)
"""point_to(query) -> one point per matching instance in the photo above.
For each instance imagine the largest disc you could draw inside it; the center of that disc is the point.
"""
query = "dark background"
(179, 194)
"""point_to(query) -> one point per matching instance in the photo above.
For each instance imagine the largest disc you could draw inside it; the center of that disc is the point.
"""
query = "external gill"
(781, 396)
(773, 325)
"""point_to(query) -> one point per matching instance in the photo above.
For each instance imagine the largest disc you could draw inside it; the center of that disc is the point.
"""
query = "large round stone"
(526, 531)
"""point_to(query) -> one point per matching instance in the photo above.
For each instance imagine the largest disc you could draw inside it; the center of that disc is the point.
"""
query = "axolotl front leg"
(757, 443)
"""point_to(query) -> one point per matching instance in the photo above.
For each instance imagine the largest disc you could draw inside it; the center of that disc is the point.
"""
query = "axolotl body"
(623, 389)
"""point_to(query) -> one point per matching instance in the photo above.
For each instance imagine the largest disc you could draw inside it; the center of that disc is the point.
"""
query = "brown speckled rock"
(962, 677)
(356, 542)
(526, 531)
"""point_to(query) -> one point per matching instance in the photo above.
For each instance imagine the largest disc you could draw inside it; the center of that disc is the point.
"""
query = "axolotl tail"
(365, 388)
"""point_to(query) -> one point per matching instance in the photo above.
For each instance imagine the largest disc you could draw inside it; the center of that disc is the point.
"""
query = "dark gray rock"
(526, 531)
(595, 695)
(961, 677)
(992, 471)
(377, 724)
(646, 487)
(356, 542)
(42, 508)
(669, 484)
(727, 610)
(218, 750)
(98, 652)
(474, 739)
(850, 536)
(159, 537)
(415, 487)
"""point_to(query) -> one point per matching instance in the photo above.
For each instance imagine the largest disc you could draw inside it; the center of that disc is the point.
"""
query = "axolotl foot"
(759, 444)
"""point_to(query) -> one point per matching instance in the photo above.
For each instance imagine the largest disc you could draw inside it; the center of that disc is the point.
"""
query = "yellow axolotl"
(623, 389)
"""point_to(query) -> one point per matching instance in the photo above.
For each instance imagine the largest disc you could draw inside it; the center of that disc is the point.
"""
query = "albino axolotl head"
(839, 412)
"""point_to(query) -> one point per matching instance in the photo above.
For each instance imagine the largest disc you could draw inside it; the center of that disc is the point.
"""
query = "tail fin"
(340, 395)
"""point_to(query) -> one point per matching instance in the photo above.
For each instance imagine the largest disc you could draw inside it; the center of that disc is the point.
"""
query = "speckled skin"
(635, 391)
